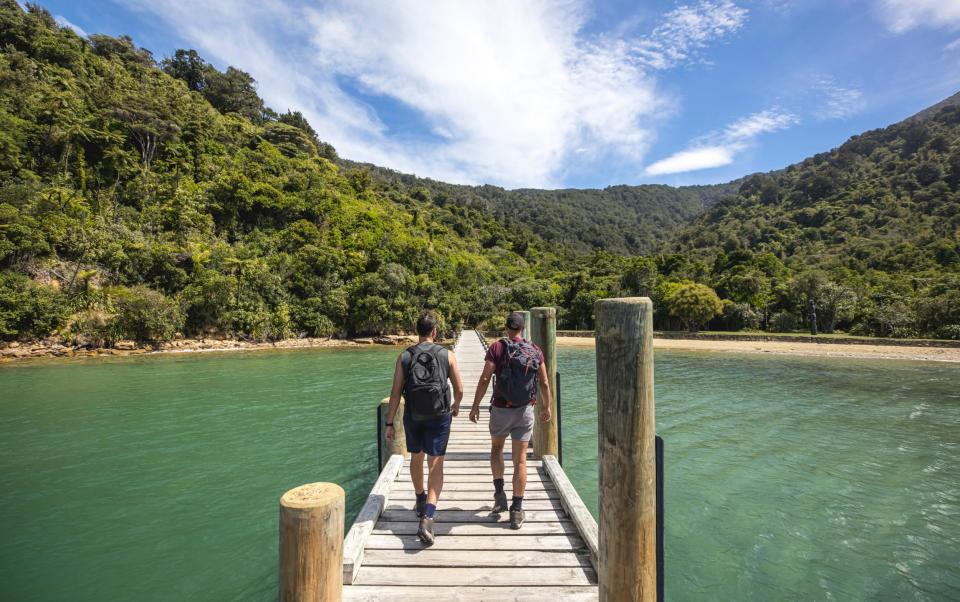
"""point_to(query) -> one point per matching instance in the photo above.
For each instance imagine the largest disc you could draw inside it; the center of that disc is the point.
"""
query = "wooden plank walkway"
(476, 555)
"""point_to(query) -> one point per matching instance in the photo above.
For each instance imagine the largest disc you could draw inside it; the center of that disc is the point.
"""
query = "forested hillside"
(877, 218)
(140, 203)
(151, 199)
(620, 219)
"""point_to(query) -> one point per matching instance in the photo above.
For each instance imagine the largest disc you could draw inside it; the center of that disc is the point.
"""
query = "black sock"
(498, 485)
(422, 497)
(517, 503)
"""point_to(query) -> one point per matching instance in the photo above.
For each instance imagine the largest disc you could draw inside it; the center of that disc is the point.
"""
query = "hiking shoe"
(516, 519)
(425, 532)
(418, 508)
(499, 502)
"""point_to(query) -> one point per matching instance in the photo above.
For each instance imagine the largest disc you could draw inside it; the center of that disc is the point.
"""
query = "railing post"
(543, 333)
(526, 325)
(628, 483)
(398, 445)
(311, 543)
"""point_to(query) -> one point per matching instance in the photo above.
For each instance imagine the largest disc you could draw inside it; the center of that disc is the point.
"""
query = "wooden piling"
(625, 411)
(398, 445)
(526, 325)
(311, 543)
(543, 333)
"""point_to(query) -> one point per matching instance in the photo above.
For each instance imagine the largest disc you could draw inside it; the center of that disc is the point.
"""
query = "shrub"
(783, 321)
(950, 331)
(309, 317)
(280, 322)
(92, 327)
(739, 316)
(143, 314)
(694, 304)
(29, 310)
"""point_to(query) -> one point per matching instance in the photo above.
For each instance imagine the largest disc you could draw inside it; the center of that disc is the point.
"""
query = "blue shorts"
(428, 436)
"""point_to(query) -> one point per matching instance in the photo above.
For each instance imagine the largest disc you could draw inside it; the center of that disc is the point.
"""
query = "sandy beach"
(931, 354)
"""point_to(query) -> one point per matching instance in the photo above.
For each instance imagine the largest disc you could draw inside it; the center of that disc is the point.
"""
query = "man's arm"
(546, 396)
(456, 381)
(485, 376)
(398, 380)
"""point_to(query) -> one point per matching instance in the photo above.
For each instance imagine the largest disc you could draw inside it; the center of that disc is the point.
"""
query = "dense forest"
(629, 220)
(145, 199)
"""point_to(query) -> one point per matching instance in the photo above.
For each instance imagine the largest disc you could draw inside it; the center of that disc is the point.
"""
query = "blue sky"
(573, 93)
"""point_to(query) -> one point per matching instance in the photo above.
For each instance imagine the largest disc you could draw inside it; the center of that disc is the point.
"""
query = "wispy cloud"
(687, 30)
(504, 92)
(719, 149)
(63, 22)
(836, 101)
(954, 45)
(763, 122)
(904, 15)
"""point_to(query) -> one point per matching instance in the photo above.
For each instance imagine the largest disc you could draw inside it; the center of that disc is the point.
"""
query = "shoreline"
(40, 350)
(844, 350)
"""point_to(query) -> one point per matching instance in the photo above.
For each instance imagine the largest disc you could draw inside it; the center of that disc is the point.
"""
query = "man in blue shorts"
(519, 369)
(423, 375)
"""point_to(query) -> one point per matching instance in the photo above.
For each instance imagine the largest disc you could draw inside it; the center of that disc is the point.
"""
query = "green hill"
(138, 204)
(619, 219)
(879, 216)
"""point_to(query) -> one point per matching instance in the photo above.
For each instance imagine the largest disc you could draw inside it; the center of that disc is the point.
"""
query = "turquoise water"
(157, 478)
(796, 478)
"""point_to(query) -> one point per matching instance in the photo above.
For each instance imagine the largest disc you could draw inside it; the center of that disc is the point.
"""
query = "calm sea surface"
(157, 478)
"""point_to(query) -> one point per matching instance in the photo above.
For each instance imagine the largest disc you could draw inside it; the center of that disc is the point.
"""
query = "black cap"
(515, 321)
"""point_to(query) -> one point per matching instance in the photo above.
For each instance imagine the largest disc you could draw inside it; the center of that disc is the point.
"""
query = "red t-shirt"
(496, 353)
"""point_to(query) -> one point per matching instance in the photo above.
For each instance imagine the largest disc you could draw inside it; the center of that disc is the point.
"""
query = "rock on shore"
(50, 348)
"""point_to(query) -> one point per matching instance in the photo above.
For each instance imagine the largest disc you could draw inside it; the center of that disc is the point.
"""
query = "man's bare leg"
(496, 456)
(435, 480)
(416, 471)
(519, 467)
(434, 486)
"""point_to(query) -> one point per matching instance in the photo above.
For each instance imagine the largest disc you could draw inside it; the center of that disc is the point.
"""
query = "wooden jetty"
(560, 553)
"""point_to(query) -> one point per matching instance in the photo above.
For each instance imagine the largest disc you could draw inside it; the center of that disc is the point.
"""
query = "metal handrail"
(483, 340)
(379, 437)
(559, 423)
(658, 450)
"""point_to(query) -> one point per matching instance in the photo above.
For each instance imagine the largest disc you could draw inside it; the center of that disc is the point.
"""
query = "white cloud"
(954, 45)
(63, 22)
(691, 160)
(506, 92)
(835, 101)
(904, 15)
(763, 122)
(719, 149)
(686, 30)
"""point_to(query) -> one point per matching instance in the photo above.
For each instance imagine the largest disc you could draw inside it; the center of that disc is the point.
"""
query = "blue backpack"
(517, 378)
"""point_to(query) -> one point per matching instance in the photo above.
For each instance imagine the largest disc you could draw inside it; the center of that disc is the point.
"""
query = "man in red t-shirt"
(513, 417)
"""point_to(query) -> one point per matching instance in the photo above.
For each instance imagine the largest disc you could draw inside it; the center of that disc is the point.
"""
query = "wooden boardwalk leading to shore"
(476, 555)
